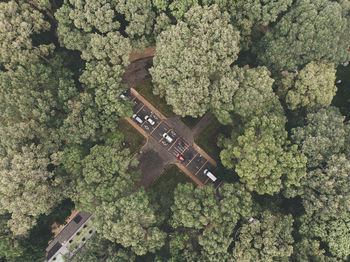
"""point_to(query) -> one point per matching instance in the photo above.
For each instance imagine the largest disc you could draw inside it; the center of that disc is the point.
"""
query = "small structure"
(71, 238)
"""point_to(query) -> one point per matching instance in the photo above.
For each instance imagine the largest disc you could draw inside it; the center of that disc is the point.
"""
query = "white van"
(168, 138)
(209, 174)
(137, 118)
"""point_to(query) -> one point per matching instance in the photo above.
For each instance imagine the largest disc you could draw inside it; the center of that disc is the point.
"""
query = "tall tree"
(197, 68)
(177, 8)
(99, 107)
(262, 155)
(210, 218)
(325, 191)
(311, 30)
(268, 238)
(334, 232)
(99, 249)
(255, 95)
(105, 29)
(322, 136)
(19, 23)
(105, 174)
(309, 250)
(250, 15)
(313, 86)
(10, 249)
(131, 222)
(33, 98)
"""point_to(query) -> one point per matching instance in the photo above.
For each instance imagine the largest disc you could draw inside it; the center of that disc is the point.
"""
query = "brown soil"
(149, 51)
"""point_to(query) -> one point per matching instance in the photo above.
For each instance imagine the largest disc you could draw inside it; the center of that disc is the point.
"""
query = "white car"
(150, 120)
(168, 138)
(122, 96)
(209, 174)
(137, 118)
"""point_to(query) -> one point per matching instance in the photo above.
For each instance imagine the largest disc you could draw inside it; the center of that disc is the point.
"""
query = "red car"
(180, 157)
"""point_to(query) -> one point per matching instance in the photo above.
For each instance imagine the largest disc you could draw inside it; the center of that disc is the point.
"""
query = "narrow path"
(203, 123)
(137, 71)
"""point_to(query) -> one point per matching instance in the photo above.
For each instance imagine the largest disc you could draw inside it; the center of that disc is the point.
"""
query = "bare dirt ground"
(137, 71)
(149, 51)
(153, 161)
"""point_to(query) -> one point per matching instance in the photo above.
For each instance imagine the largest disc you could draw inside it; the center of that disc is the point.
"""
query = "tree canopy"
(190, 72)
(105, 29)
(325, 191)
(263, 157)
(313, 86)
(272, 75)
(311, 30)
(334, 232)
(322, 136)
(20, 22)
(267, 238)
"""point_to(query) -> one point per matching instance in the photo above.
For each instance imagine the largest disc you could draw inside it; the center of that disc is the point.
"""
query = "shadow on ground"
(152, 165)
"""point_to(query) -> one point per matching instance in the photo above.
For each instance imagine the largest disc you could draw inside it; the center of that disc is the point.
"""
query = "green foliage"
(207, 138)
(145, 89)
(130, 221)
(33, 100)
(19, 22)
(213, 216)
(309, 250)
(312, 87)
(9, 248)
(249, 15)
(161, 193)
(254, 95)
(99, 107)
(311, 30)
(104, 29)
(268, 238)
(334, 232)
(192, 62)
(38, 91)
(262, 157)
(177, 8)
(322, 136)
(44, 4)
(325, 191)
(104, 174)
(99, 249)
(132, 138)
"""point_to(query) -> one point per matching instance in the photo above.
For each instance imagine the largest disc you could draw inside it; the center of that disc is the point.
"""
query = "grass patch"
(145, 89)
(190, 121)
(133, 139)
(162, 191)
(343, 93)
(207, 138)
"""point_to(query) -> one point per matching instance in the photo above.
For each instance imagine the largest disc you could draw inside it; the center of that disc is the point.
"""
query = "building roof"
(66, 233)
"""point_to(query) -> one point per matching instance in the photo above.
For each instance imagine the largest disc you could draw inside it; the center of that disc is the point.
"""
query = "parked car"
(180, 157)
(122, 96)
(168, 138)
(209, 174)
(137, 118)
(150, 120)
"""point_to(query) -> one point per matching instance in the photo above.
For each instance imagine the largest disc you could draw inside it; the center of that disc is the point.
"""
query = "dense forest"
(267, 70)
